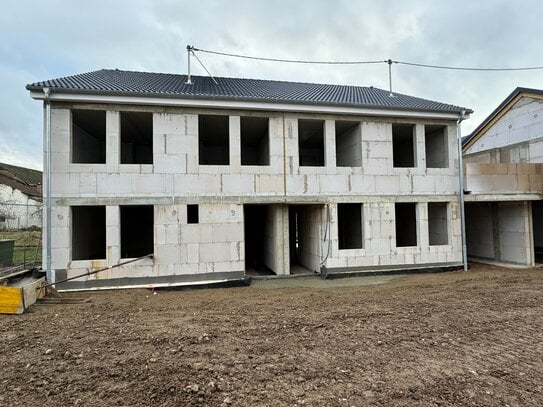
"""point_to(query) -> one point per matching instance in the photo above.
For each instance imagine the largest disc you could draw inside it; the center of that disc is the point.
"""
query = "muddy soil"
(448, 339)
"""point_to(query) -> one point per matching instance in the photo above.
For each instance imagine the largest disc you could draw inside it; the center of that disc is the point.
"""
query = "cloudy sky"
(53, 38)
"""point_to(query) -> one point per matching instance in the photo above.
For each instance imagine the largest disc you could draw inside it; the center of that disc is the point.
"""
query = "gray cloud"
(47, 39)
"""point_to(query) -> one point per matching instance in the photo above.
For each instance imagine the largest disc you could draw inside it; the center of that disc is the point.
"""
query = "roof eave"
(36, 93)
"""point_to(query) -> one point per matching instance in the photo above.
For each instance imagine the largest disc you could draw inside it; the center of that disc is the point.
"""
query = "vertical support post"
(189, 50)
(47, 191)
(461, 184)
(389, 62)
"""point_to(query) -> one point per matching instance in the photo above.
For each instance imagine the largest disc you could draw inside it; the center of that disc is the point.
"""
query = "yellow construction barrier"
(19, 294)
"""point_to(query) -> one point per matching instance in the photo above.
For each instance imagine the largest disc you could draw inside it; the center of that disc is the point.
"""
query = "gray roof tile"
(117, 82)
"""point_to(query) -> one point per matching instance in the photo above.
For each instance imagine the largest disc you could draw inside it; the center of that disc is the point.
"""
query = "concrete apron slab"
(499, 263)
(317, 282)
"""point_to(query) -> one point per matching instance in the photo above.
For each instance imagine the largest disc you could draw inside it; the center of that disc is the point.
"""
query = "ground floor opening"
(282, 239)
(258, 234)
(500, 231)
(304, 225)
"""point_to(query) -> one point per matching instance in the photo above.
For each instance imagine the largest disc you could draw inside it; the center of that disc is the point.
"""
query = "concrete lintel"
(240, 200)
(502, 197)
(184, 110)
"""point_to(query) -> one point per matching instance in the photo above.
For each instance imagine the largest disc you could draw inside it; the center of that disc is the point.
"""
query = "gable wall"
(516, 137)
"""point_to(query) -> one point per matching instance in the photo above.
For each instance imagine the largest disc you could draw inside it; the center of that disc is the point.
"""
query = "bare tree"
(7, 212)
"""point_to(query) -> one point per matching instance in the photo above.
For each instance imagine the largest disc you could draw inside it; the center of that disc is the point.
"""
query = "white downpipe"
(461, 184)
(47, 191)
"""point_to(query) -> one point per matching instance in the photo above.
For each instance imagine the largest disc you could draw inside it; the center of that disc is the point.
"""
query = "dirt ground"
(449, 339)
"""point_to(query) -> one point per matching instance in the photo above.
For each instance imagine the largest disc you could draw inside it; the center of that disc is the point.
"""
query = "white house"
(20, 197)
(220, 181)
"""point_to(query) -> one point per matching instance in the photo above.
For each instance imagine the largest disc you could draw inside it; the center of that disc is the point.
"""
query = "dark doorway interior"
(406, 224)
(257, 239)
(537, 219)
(88, 232)
(137, 230)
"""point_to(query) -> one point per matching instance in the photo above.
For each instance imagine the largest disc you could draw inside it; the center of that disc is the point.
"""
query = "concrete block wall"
(276, 251)
(216, 244)
(438, 222)
(503, 178)
(379, 239)
(376, 175)
(310, 237)
(175, 169)
(515, 233)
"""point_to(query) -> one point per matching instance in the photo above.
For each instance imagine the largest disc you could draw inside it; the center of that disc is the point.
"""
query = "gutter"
(276, 105)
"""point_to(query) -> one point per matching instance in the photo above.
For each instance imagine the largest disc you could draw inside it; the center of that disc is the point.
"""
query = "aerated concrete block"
(193, 253)
(214, 252)
(65, 184)
(165, 123)
(87, 184)
(113, 184)
(60, 120)
(60, 141)
(60, 236)
(167, 254)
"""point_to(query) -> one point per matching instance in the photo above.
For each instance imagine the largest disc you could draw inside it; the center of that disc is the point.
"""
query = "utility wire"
(385, 61)
(460, 68)
(291, 61)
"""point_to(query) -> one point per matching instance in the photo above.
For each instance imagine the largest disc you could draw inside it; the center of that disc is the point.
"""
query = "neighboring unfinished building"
(503, 171)
(246, 176)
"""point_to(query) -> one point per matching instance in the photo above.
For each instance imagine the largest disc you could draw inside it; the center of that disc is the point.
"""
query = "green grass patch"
(27, 245)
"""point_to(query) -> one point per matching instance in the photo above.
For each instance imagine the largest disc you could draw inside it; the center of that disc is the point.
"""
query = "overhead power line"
(290, 61)
(461, 68)
(356, 62)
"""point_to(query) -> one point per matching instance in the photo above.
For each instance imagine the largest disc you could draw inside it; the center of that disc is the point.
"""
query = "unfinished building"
(247, 176)
(503, 172)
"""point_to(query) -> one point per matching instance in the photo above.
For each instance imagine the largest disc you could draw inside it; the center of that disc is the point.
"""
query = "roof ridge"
(371, 87)
(238, 78)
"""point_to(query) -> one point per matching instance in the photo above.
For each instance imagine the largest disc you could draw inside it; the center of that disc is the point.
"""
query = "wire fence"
(20, 236)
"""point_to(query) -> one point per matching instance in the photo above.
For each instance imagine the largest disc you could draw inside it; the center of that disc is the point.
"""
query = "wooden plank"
(32, 291)
(63, 300)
